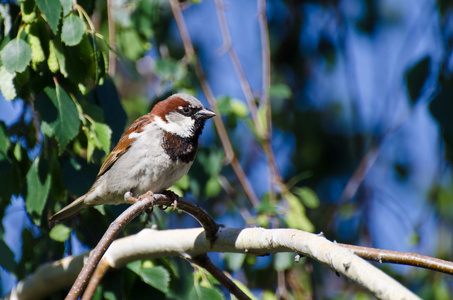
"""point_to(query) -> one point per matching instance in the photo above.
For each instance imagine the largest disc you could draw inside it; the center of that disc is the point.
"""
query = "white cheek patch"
(179, 125)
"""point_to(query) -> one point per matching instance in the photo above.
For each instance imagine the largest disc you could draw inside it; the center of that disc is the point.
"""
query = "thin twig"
(263, 133)
(205, 262)
(112, 37)
(402, 258)
(115, 227)
(95, 280)
(245, 85)
(143, 202)
(265, 52)
(218, 122)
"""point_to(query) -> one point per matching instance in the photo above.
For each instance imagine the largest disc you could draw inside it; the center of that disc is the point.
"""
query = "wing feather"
(124, 143)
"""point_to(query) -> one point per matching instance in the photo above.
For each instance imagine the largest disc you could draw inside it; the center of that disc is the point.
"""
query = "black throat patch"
(180, 148)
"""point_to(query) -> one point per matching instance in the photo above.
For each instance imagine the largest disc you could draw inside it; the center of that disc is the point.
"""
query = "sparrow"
(153, 153)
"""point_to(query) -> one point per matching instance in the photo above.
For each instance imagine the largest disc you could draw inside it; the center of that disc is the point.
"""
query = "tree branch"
(190, 243)
(205, 262)
(402, 258)
(143, 202)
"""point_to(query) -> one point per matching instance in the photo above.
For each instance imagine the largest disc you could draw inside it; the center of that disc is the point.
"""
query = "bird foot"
(173, 197)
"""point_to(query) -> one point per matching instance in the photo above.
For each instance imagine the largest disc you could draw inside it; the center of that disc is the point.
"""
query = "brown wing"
(124, 143)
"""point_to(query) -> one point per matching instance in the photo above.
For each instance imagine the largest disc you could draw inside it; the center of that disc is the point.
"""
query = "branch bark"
(191, 243)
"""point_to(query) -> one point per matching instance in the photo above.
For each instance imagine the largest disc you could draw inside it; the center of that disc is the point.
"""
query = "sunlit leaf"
(7, 84)
(67, 6)
(212, 187)
(157, 277)
(234, 261)
(16, 55)
(295, 216)
(103, 134)
(308, 197)
(283, 260)
(60, 233)
(72, 31)
(170, 69)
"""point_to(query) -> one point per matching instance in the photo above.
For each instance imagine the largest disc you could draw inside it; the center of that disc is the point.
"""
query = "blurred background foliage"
(361, 102)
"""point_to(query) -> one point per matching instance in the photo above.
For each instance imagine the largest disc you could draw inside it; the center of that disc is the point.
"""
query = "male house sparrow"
(153, 153)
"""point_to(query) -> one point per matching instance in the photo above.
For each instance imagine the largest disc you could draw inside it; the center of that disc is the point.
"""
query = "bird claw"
(148, 194)
(173, 197)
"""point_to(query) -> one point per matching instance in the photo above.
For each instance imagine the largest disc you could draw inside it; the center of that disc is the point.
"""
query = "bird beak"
(205, 114)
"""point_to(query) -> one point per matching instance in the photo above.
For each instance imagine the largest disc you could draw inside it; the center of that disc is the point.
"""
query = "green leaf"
(66, 125)
(283, 260)
(72, 31)
(205, 293)
(16, 55)
(416, 77)
(67, 6)
(7, 258)
(157, 277)
(170, 69)
(234, 261)
(131, 44)
(308, 197)
(295, 216)
(59, 51)
(135, 266)
(4, 140)
(239, 108)
(280, 91)
(51, 10)
(103, 134)
(7, 84)
(60, 233)
(212, 187)
(38, 186)
(212, 161)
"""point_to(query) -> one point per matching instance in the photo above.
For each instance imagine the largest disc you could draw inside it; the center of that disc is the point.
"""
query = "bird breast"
(145, 166)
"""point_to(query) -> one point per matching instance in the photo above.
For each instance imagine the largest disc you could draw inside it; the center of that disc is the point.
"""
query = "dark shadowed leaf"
(205, 293)
(38, 186)
(66, 125)
(51, 10)
(416, 77)
(7, 258)
(114, 113)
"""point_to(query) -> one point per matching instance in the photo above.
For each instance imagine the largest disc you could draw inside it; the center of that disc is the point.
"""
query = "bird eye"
(186, 109)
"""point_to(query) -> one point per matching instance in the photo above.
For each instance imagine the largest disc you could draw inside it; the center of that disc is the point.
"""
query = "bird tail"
(69, 211)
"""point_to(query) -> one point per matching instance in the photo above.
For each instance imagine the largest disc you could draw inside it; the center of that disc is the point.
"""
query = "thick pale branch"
(191, 243)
